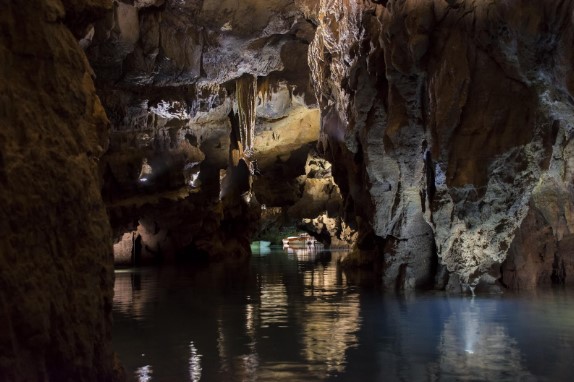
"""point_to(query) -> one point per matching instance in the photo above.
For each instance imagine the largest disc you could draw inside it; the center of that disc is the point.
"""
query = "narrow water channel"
(297, 317)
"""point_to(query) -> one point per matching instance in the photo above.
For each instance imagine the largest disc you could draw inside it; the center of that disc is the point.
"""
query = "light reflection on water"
(295, 317)
(143, 373)
(194, 364)
(473, 344)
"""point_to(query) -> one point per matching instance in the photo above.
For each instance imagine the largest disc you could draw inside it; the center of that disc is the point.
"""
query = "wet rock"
(455, 123)
(177, 226)
(307, 200)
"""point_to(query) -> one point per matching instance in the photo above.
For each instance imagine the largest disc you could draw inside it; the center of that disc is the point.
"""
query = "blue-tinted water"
(288, 317)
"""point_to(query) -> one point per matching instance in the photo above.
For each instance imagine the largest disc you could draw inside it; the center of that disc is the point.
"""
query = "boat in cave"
(428, 144)
(303, 240)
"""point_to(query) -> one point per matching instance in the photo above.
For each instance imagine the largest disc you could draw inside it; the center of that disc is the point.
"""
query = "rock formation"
(447, 123)
(307, 200)
(56, 269)
(214, 87)
(449, 127)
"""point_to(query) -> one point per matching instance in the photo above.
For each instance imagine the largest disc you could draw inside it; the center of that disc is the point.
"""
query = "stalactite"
(265, 89)
(235, 146)
(246, 95)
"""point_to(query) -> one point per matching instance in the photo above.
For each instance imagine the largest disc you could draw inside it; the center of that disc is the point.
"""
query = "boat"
(303, 240)
(260, 244)
(260, 247)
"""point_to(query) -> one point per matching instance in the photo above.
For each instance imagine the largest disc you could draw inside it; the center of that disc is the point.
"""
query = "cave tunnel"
(301, 190)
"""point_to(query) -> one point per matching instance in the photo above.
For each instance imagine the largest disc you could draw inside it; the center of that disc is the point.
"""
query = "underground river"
(297, 317)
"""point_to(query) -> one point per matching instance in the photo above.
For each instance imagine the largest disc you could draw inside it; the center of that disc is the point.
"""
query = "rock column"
(56, 269)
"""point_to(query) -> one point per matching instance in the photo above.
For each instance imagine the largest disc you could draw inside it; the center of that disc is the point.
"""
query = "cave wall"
(447, 123)
(56, 269)
(167, 74)
(449, 127)
(299, 194)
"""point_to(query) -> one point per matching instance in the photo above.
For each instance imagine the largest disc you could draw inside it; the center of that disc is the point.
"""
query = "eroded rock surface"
(449, 126)
(202, 90)
(447, 123)
(56, 269)
(303, 196)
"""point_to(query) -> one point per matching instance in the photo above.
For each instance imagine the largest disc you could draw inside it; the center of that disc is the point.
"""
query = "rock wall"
(447, 123)
(56, 270)
(170, 75)
(307, 199)
(449, 127)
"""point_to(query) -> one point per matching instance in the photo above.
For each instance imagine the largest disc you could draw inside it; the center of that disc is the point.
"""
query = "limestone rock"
(187, 41)
(306, 199)
(447, 122)
(174, 226)
(167, 75)
(448, 126)
(56, 270)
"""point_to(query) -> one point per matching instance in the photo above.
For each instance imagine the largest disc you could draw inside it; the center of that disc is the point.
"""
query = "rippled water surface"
(296, 317)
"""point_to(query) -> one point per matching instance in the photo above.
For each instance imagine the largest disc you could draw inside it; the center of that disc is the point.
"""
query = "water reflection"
(273, 304)
(133, 291)
(304, 254)
(331, 320)
(144, 373)
(474, 345)
(221, 349)
(194, 363)
(294, 316)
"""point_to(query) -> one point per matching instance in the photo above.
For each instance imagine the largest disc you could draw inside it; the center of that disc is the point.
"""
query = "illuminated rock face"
(56, 270)
(302, 196)
(209, 85)
(448, 122)
(449, 125)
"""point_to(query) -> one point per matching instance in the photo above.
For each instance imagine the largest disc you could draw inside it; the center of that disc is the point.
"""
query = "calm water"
(296, 317)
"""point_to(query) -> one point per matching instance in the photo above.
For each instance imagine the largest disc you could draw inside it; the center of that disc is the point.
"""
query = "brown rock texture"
(449, 127)
(447, 123)
(303, 196)
(195, 87)
(56, 270)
